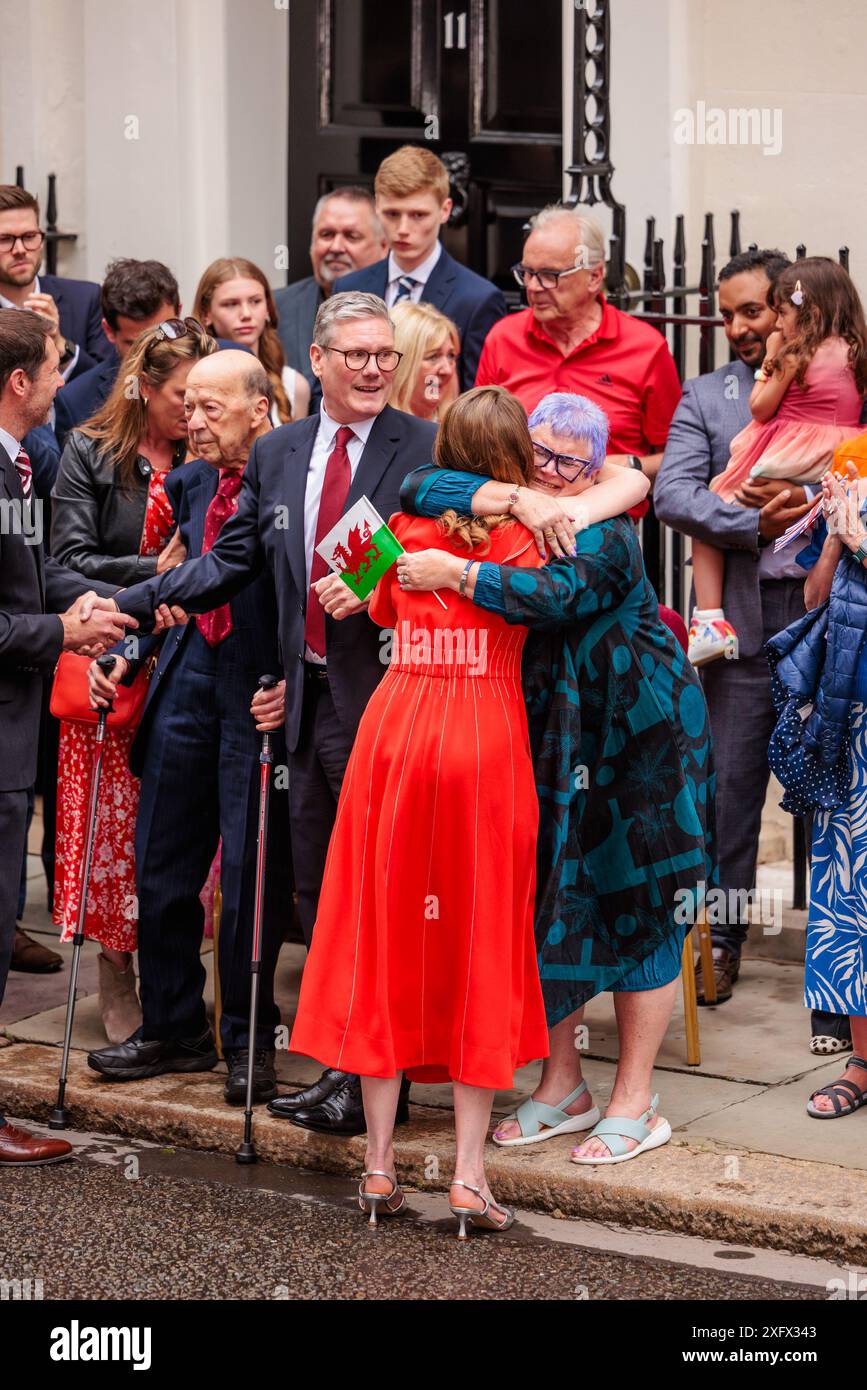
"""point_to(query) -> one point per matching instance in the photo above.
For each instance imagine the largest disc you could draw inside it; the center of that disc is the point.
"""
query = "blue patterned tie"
(405, 287)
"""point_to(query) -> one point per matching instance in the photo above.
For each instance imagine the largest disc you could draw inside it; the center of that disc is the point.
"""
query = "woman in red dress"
(111, 520)
(423, 957)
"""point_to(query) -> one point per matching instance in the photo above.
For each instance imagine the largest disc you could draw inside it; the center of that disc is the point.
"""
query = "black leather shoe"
(264, 1079)
(343, 1111)
(284, 1107)
(136, 1059)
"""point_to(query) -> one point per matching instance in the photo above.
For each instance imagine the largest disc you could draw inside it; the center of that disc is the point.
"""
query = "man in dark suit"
(135, 295)
(71, 306)
(297, 484)
(33, 631)
(346, 235)
(412, 203)
(197, 754)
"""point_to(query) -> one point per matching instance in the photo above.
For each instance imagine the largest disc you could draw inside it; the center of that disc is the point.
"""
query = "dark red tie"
(335, 488)
(216, 625)
(24, 470)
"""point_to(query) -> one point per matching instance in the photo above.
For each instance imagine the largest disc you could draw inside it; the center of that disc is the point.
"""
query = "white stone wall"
(164, 120)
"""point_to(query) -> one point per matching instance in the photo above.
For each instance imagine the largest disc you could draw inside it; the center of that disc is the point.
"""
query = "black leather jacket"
(96, 525)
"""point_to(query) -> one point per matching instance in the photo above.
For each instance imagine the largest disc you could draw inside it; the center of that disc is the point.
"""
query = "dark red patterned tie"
(216, 625)
(24, 470)
(335, 488)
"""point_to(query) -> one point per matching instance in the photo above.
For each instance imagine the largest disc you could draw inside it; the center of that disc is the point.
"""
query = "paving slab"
(761, 1034)
(776, 1122)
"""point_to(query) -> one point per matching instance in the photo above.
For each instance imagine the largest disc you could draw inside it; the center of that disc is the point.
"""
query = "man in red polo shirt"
(570, 339)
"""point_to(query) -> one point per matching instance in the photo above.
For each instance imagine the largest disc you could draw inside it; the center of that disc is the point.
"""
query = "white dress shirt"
(322, 447)
(12, 446)
(421, 275)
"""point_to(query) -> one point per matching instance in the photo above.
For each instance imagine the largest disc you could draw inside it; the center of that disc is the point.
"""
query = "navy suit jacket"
(80, 308)
(472, 303)
(296, 310)
(251, 650)
(268, 531)
(82, 395)
(32, 590)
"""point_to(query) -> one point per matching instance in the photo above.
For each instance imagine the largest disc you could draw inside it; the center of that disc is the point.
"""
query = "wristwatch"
(861, 552)
(513, 498)
(635, 462)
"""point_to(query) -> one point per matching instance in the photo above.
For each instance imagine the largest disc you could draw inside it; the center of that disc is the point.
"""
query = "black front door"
(477, 80)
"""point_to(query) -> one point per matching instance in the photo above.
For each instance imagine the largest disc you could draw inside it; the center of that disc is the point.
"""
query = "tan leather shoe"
(18, 1148)
(118, 1002)
(29, 955)
(726, 969)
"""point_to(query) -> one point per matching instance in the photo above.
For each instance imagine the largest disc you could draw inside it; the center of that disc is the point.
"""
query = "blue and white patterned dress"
(836, 973)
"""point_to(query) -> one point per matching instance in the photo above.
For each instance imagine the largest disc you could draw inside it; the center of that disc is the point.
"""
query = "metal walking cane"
(59, 1118)
(247, 1152)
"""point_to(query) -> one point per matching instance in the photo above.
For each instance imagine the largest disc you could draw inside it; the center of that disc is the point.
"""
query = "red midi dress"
(423, 958)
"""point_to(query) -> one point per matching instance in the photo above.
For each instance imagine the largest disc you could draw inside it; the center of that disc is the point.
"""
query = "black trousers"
(316, 770)
(13, 836)
(200, 783)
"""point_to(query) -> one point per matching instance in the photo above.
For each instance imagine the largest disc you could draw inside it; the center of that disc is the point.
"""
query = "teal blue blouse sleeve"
(606, 568)
(431, 491)
(488, 592)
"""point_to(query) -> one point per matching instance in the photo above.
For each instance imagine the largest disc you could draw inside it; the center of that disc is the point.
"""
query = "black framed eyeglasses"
(31, 241)
(545, 279)
(570, 467)
(357, 359)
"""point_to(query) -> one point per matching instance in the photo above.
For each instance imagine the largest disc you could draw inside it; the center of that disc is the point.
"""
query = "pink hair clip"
(797, 295)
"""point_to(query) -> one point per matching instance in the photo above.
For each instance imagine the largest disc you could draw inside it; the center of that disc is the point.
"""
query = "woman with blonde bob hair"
(426, 380)
(234, 300)
(112, 520)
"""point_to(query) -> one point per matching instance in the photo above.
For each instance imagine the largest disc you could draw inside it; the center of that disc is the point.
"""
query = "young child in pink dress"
(807, 399)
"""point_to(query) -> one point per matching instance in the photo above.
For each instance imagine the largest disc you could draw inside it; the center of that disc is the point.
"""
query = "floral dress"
(112, 911)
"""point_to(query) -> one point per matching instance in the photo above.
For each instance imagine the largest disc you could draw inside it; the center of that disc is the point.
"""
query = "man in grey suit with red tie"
(298, 482)
(33, 632)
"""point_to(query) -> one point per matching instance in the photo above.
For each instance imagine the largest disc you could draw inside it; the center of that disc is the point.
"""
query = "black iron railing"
(53, 237)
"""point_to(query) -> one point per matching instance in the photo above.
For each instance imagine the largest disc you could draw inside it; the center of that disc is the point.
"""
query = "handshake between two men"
(94, 624)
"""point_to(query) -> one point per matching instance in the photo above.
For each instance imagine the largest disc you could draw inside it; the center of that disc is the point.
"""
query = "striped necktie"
(405, 287)
(24, 469)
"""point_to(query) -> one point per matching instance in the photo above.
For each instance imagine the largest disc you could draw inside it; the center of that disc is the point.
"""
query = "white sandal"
(533, 1114)
(613, 1129)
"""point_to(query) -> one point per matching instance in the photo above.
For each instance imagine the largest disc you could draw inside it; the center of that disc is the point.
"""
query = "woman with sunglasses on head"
(234, 300)
(622, 756)
(112, 521)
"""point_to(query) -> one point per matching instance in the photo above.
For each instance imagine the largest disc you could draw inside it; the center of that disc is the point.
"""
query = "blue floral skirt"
(836, 974)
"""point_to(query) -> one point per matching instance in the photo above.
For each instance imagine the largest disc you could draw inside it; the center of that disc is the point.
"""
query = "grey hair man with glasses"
(72, 307)
(571, 339)
(298, 482)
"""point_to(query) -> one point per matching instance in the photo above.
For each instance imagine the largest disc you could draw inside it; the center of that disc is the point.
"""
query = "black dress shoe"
(343, 1111)
(136, 1058)
(264, 1079)
(284, 1107)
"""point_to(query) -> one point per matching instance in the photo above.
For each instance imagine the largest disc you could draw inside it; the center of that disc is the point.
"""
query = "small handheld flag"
(799, 527)
(361, 549)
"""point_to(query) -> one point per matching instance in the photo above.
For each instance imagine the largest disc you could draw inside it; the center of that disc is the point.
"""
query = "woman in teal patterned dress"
(624, 773)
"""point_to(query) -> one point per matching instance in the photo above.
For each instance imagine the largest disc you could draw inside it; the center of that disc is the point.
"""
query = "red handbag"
(70, 694)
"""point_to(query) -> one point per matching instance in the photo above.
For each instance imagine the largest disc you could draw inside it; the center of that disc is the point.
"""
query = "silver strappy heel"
(474, 1217)
(376, 1202)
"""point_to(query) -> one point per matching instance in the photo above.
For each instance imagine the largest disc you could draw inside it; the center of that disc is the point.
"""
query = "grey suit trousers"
(742, 719)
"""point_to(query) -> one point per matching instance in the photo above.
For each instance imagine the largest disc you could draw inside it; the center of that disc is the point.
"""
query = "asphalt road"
(139, 1222)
